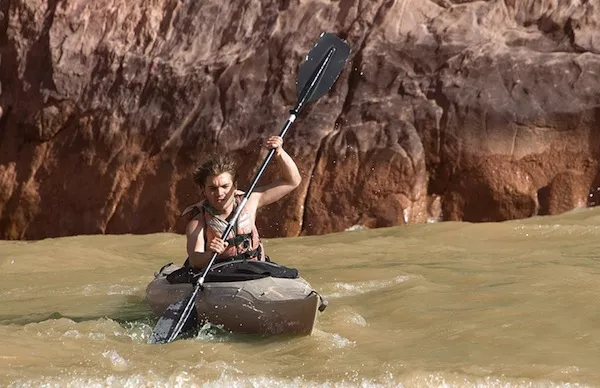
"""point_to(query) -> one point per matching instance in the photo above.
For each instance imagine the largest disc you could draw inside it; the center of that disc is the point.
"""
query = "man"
(217, 179)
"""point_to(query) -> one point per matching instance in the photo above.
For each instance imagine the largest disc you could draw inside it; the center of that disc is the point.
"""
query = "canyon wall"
(447, 110)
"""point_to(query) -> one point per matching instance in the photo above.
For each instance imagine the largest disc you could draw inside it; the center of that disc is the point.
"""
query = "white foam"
(118, 363)
(358, 319)
(351, 289)
(188, 378)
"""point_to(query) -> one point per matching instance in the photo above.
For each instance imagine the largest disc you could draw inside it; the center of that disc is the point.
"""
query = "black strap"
(240, 238)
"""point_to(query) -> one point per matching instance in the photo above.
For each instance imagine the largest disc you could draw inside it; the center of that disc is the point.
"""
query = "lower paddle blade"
(175, 320)
(328, 45)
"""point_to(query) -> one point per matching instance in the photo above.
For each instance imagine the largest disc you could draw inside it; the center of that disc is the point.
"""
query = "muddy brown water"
(446, 304)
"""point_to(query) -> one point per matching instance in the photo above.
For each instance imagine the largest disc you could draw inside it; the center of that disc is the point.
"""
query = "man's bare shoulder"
(195, 225)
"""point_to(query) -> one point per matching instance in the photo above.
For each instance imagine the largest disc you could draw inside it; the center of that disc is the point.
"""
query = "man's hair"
(216, 164)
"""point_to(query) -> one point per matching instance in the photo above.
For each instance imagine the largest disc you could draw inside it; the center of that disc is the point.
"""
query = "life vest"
(243, 241)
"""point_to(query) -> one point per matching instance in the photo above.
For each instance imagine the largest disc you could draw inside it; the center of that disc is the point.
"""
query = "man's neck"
(226, 211)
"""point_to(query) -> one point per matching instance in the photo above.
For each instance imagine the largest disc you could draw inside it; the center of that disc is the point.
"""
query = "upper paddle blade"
(316, 72)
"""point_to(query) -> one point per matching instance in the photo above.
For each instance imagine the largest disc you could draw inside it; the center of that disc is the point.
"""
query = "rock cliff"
(447, 110)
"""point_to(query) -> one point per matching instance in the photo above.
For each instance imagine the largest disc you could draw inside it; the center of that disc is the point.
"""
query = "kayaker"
(217, 179)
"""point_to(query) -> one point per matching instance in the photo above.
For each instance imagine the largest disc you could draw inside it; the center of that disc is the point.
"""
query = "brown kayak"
(265, 306)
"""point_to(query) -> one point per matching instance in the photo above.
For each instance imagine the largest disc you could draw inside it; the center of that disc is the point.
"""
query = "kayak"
(268, 305)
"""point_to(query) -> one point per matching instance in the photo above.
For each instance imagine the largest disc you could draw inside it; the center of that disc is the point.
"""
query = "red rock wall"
(476, 111)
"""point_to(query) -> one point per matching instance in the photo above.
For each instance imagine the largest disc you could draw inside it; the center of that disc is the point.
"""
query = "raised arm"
(289, 180)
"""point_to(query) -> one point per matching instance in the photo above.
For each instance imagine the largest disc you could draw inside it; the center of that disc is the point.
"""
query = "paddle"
(316, 75)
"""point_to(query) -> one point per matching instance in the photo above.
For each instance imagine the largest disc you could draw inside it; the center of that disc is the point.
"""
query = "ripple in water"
(352, 289)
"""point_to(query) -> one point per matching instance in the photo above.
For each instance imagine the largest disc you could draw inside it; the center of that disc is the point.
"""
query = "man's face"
(219, 190)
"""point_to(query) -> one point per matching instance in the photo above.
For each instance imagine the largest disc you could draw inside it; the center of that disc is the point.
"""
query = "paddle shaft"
(240, 207)
(306, 94)
(187, 310)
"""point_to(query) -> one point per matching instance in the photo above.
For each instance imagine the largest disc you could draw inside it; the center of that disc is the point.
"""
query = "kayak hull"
(261, 306)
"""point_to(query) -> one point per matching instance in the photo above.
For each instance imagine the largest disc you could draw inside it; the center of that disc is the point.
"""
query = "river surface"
(445, 304)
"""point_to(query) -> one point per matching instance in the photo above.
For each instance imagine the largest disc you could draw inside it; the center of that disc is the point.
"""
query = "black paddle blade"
(322, 66)
(179, 318)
